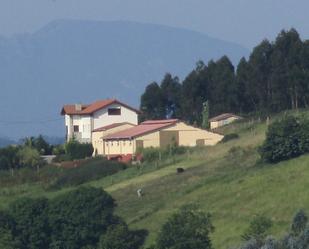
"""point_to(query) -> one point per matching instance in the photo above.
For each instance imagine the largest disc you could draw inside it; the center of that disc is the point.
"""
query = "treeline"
(274, 78)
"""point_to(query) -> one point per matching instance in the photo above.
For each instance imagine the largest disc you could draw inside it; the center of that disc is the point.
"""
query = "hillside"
(70, 61)
(224, 180)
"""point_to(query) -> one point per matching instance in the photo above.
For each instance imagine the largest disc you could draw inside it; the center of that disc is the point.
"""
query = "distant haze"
(246, 22)
(83, 61)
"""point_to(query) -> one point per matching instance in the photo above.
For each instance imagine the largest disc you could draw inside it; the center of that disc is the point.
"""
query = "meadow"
(226, 180)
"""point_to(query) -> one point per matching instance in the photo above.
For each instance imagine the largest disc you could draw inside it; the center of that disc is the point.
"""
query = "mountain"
(70, 61)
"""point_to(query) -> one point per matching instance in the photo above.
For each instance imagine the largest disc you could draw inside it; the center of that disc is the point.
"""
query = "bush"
(187, 229)
(91, 169)
(229, 137)
(286, 138)
(119, 237)
(74, 220)
(258, 229)
(78, 218)
(77, 150)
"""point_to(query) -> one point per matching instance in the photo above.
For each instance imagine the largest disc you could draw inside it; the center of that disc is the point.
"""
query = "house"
(97, 134)
(223, 119)
(81, 120)
(156, 133)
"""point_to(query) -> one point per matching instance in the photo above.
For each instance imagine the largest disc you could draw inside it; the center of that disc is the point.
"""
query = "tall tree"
(171, 96)
(152, 103)
(194, 94)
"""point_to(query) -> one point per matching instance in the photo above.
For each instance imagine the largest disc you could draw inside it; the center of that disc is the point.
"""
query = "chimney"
(78, 107)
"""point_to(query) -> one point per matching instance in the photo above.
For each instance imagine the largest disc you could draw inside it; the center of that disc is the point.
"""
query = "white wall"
(101, 117)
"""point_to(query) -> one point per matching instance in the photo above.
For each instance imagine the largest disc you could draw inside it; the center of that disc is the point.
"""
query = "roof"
(91, 108)
(141, 129)
(224, 116)
(111, 126)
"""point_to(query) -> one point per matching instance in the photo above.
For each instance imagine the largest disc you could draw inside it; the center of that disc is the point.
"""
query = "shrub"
(299, 222)
(258, 229)
(118, 236)
(78, 150)
(187, 229)
(78, 218)
(286, 138)
(31, 223)
(229, 137)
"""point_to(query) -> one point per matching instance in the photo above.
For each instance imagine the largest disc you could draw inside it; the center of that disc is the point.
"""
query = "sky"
(246, 22)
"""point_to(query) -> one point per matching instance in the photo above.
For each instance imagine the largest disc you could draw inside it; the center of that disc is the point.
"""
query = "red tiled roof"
(111, 126)
(223, 116)
(90, 109)
(142, 129)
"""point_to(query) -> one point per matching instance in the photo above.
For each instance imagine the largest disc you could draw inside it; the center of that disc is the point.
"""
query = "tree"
(9, 158)
(187, 229)
(31, 229)
(258, 229)
(118, 236)
(194, 94)
(80, 217)
(30, 157)
(205, 114)
(286, 138)
(152, 103)
(171, 96)
(7, 230)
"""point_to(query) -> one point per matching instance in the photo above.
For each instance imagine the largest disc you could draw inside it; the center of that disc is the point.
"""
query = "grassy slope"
(222, 181)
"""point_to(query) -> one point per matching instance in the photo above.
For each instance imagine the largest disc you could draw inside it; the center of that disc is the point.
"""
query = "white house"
(81, 120)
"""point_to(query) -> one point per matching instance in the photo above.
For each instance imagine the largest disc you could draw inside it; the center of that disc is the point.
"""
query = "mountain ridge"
(71, 61)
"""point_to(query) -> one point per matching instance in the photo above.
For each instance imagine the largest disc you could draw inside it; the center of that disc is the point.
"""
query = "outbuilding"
(223, 119)
(156, 133)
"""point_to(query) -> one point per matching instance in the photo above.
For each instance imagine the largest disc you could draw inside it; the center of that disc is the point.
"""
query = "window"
(114, 111)
(76, 128)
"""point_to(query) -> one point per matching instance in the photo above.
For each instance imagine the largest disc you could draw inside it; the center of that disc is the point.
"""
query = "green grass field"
(224, 180)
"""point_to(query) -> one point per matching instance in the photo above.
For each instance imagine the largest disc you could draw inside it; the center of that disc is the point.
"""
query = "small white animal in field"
(139, 192)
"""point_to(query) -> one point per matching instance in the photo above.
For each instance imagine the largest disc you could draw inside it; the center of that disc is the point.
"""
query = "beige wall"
(121, 147)
(188, 136)
(216, 124)
(97, 140)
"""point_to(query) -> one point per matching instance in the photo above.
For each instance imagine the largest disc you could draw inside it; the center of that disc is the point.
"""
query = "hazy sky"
(243, 21)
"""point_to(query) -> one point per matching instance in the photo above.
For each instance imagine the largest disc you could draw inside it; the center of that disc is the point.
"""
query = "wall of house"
(186, 135)
(97, 140)
(150, 140)
(119, 147)
(84, 124)
(216, 124)
(101, 117)
(189, 135)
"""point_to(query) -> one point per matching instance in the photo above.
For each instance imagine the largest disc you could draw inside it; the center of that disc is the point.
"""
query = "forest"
(274, 78)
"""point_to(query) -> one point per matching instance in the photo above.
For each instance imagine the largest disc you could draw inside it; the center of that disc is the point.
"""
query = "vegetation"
(77, 219)
(76, 150)
(273, 79)
(286, 138)
(90, 170)
(258, 229)
(291, 240)
(229, 137)
(187, 229)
